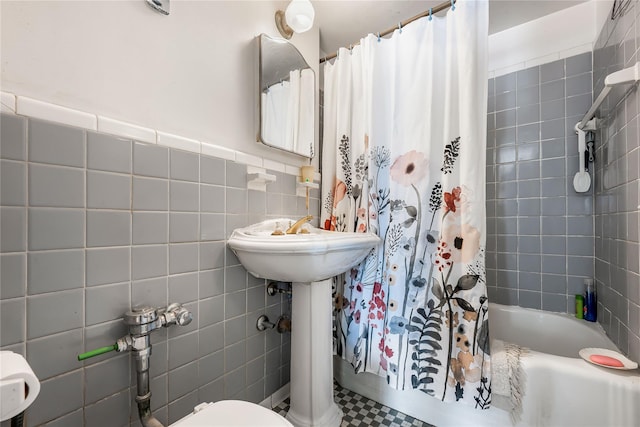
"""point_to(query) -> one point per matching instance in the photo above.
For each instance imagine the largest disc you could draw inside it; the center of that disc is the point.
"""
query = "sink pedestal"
(305, 259)
(312, 403)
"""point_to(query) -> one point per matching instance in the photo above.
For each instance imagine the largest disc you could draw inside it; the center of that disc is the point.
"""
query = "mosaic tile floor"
(363, 412)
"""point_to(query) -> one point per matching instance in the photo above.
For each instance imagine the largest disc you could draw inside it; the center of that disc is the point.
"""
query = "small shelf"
(302, 188)
(259, 177)
(309, 184)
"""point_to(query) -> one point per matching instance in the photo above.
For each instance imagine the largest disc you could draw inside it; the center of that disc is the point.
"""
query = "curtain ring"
(453, 4)
(378, 37)
(400, 27)
(430, 12)
(350, 49)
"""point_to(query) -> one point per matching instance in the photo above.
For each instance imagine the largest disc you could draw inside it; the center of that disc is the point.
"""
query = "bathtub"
(561, 388)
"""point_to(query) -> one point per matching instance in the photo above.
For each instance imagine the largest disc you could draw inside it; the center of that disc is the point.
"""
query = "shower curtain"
(404, 157)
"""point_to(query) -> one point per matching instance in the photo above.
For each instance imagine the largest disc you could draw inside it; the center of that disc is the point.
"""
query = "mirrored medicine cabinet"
(286, 97)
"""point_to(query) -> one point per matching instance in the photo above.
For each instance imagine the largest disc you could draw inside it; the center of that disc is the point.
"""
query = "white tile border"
(567, 53)
(126, 130)
(272, 165)
(509, 69)
(292, 170)
(248, 159)
(217, 151)
(7, 102)
(25, 106)
(277, 397)
(541, 60)
(179, 142)
(55, 113)
(576, 50)
(280, 395)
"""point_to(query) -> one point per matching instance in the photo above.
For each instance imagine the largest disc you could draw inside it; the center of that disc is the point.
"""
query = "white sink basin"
(298, 257)
(308, 260)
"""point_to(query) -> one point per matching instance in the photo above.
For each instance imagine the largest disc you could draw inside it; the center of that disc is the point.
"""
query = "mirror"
(287, 97)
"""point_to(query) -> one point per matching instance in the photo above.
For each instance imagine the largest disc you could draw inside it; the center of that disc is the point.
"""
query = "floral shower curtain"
(404, 157)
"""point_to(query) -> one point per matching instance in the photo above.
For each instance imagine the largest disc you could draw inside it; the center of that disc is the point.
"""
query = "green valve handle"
(97, 352)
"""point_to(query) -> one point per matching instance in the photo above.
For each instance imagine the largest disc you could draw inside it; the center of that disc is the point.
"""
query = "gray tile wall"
(617, 186)
(539, 230)
(93, 225)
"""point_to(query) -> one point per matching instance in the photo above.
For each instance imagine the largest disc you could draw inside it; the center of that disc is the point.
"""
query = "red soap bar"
(605, 360)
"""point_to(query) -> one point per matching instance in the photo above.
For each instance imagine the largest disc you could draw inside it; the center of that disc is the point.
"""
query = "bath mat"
(507, 377)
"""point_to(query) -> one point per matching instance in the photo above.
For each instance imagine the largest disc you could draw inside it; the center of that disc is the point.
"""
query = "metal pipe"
(142, 371)
(144, 412)
(278, 288)
(143, 383)
(144, 402)
(438, 8)
(143, 397)
(594, 107)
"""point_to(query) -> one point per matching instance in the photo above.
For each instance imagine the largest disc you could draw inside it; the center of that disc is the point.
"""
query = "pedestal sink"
(308, 261)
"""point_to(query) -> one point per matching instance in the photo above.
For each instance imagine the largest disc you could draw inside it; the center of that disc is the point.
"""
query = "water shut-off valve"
(142, 320)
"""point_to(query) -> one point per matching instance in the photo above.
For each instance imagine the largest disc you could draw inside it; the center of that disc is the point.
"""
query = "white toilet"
(232, 413)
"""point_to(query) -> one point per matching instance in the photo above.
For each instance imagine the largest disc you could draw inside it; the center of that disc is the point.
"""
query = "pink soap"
(605, 360)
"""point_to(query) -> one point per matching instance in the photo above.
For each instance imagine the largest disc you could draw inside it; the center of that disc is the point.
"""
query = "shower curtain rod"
(438, 8)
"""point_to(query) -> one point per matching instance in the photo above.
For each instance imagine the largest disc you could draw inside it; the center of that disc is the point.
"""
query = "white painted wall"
(602, 13)
(559, 35)
(190, 73)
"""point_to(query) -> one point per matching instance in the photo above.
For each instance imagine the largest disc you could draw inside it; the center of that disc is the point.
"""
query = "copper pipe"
(442, 6)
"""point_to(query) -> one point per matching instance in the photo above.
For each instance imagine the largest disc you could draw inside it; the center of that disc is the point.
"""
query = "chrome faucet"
(295, 228)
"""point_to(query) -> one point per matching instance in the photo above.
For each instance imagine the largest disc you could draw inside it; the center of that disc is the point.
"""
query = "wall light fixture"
(297, 18)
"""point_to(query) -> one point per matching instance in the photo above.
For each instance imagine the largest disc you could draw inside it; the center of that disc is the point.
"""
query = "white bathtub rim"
(595, 326)
(579, 333)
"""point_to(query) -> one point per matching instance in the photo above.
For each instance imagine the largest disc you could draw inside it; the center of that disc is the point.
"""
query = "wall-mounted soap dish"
(261, 177)
(258, 178)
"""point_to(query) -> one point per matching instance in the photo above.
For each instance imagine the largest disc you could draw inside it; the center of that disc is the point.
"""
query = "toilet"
(232, 413)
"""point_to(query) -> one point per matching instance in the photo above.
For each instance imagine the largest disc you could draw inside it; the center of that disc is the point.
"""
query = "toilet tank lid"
(232, 413)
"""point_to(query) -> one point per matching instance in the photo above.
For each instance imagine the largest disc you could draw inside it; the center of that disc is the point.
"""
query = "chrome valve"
(176, 314)
(142, 320)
